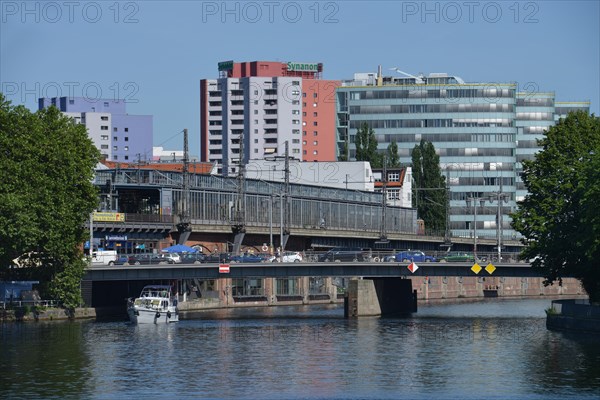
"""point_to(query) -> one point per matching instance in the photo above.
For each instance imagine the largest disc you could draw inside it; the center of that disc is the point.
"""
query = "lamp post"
(499, 196)
(481, 201)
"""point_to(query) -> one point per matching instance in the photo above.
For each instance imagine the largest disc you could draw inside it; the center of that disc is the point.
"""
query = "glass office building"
(481, 131)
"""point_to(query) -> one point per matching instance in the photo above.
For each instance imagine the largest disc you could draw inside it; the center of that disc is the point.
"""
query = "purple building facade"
(118, 135)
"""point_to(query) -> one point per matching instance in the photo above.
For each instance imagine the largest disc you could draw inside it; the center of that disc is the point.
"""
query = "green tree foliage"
(559, 217)
(366, 146)
(393, 159)
(429, 187)
(46, 196)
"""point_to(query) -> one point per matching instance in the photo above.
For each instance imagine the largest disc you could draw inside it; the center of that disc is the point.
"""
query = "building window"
(303, 94)
(115, 148)
(315, 133)
(106, 104)
(315, 114)
(304, 152)
(304, 143)
(127, 138)
(315, 123)
(126, 157)
(104, 146)
(104, 127)
(126, 148)
(304, 114)
(315, 152)
(315, 95)
(256, 131)
(303, 123)
(315, 143)
(256, 121)
(295, 131)
(256, 150)
(303, 133)
(255, 111)
(295, 121)
(303, 104)
(296, 151)
(296, 141)
(71, 101)
(115, 129)
(126, 129)
(116, 157)
(393, 176)
(295, 102)
(295, 112)
(314, 104)
(296, 83)
(255, 140)
(104, 118)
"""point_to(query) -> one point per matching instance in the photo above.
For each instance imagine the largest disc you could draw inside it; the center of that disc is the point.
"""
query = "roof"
(195, 167)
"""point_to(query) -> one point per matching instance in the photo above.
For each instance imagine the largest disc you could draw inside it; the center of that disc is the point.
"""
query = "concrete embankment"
(573, 315)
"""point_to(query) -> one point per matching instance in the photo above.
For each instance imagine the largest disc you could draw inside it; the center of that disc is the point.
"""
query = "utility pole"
(384, 179)
(238, 225)
(184, 227)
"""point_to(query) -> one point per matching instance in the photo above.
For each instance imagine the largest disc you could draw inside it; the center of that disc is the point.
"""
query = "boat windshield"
(155, 292)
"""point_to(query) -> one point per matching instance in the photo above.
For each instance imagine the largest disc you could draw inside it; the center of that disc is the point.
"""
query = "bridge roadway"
(283, 270)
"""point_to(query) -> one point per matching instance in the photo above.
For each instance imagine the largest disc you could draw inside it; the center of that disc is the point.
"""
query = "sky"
(153, 54)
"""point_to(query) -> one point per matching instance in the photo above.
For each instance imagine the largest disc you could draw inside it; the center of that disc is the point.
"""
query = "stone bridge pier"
(379, 296)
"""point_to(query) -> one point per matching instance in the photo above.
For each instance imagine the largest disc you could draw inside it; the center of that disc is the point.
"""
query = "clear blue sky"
(154, 53)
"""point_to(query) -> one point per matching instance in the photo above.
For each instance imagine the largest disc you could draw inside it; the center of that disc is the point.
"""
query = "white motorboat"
(155, 305)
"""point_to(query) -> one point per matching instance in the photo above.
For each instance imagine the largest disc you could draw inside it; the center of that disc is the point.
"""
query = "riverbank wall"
(427, 289)
(573, 315)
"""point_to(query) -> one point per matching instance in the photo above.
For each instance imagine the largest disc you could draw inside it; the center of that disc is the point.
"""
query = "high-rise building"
(118, 135)
(263, 105)
(481, 131)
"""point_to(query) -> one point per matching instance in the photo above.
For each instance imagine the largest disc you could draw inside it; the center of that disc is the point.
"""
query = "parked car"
(339, 254)
(288, 256)
(192, 258)
(458, 256)
(247, 258)
(217, 258)
(413, 256)
(173, 256)
(138, 259)
(121, 260)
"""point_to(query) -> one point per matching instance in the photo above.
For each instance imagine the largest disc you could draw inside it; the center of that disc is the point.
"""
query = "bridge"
(320, 269)
(385, 288)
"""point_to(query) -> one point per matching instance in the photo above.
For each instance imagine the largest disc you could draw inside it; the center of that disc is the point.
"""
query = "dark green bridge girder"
(283, 270)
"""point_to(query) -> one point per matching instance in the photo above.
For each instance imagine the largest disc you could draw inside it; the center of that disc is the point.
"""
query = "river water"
(484, 349)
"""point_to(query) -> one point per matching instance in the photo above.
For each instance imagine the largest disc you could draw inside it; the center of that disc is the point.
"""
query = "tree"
(558, 218)
(366, 146)
(46, 195)
(429, 189)
(392, 155)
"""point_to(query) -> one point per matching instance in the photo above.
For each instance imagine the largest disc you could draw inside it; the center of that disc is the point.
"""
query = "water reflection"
(305, 352)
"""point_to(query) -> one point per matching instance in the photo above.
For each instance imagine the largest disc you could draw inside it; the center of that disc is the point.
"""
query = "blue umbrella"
(179, 248)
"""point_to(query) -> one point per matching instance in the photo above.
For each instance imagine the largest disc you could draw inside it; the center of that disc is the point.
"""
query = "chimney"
(379, 77)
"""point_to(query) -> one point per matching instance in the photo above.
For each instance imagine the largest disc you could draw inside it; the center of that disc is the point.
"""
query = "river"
(493, 348)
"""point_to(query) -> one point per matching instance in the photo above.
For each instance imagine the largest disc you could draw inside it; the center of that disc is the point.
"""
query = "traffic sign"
(476, 268)
(490, 268)
(223, 268)
(413, 267)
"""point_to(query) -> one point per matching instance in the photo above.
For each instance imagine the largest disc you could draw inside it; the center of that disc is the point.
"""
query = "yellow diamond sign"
(490, 268)
(476, 268)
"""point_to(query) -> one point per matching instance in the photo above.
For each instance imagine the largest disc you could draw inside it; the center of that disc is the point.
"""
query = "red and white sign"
(223, 268)
(413, 267)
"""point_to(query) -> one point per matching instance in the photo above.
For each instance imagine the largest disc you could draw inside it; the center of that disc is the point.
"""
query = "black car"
(192, 258)
(217, 258)
(339, 254)
(146, 259)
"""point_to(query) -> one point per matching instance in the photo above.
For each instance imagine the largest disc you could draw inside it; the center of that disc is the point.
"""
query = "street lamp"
(481, 201)
(499, 196)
